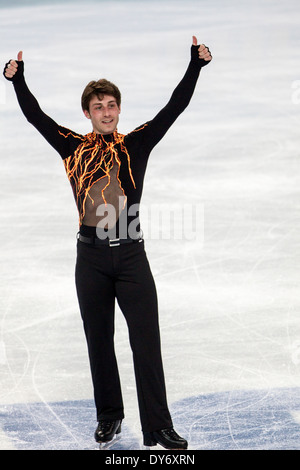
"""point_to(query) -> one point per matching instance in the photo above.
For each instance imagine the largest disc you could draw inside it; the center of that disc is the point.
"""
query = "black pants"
(104, 274)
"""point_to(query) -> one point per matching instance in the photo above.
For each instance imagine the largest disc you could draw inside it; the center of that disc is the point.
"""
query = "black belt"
(107, 241)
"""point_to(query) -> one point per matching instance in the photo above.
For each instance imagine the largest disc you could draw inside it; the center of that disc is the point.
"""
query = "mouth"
(107, 121)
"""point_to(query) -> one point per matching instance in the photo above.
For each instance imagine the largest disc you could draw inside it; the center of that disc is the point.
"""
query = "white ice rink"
(229, 298)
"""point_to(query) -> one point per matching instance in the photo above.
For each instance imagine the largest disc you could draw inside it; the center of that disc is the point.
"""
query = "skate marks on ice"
(242, 420)
(66, 425)
(233, 420)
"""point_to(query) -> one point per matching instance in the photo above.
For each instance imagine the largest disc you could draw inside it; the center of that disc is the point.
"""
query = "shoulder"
(137, 134)
(139, 128)
(68, 133)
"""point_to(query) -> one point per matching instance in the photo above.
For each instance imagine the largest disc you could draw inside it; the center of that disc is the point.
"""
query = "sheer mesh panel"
(105, 201)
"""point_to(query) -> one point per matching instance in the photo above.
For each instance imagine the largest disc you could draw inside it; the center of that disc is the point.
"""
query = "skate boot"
(167, 438)
(106, 430)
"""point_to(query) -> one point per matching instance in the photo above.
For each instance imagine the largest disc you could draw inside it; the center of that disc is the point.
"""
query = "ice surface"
(229, 304)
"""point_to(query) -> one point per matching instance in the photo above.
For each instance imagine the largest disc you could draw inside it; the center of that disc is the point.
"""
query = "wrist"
(194, 53)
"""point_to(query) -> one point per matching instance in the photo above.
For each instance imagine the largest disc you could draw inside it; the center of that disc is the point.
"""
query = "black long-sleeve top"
(89, 159)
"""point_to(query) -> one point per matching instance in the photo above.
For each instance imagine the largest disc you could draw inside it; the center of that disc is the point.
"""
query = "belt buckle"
(115, 242)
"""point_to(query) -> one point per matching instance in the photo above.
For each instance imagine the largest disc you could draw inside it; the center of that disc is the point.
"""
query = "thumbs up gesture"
(13, 66)
(204, 53)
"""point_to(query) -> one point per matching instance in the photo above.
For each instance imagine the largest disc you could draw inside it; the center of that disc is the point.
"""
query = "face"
(104, 114)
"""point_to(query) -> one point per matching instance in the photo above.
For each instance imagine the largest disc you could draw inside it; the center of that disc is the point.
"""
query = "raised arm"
(180, 99)
(50, 130)
(181, 96)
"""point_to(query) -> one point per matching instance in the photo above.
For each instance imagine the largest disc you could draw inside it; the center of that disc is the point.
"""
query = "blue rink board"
(233, 420)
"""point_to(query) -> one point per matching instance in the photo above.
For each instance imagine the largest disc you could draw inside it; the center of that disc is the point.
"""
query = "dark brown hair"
(99, 88)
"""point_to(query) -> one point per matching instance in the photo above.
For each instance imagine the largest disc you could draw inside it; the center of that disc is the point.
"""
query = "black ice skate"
(106, 431)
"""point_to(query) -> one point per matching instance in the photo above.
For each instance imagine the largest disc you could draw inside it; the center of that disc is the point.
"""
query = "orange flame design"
(92, 160)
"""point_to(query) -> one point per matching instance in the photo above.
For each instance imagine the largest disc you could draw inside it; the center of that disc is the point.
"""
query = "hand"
(11, 67)
(203, 51)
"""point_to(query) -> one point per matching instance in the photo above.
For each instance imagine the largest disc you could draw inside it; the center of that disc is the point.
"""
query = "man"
(106, 170)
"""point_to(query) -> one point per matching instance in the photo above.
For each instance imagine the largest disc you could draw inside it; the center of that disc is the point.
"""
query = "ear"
(87, 114)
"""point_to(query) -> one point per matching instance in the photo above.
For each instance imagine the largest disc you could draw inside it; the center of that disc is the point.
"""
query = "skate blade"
(107, 445)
